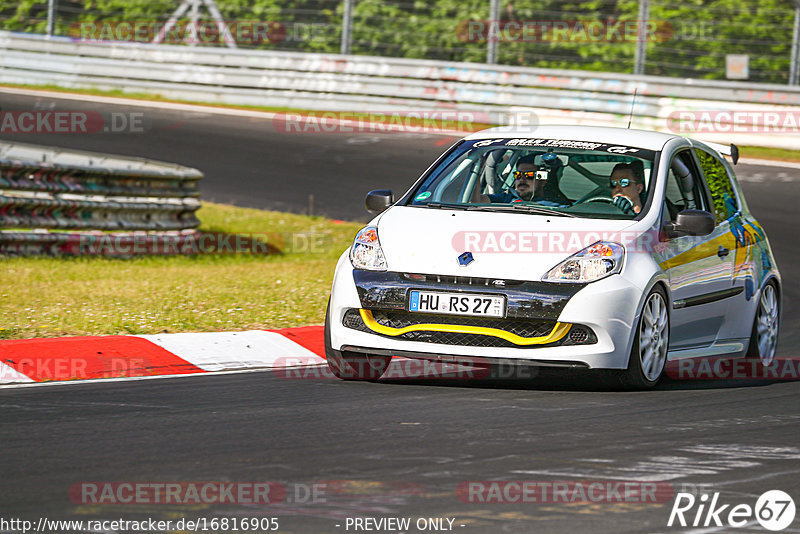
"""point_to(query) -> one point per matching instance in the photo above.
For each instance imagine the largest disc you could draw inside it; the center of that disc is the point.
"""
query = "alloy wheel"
(767, 325)
(653, 337)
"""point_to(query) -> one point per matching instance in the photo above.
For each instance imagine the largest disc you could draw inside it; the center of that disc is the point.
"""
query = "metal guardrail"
(118, 64)
(51, 189)
(369, 84)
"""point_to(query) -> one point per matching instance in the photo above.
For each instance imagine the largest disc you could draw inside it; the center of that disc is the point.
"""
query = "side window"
(722, 194)
(683, 188)
(675, 196)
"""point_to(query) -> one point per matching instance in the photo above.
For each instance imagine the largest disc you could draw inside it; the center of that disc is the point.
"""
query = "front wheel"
(764, 335)
(649, 353)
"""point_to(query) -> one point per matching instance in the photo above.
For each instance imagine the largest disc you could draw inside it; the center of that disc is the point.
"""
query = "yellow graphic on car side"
(745, 238)
(701, 251)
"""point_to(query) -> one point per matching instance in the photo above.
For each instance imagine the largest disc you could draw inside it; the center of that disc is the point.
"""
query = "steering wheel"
(601, 198)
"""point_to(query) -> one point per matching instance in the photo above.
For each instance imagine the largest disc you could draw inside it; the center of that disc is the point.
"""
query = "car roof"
(598, 134)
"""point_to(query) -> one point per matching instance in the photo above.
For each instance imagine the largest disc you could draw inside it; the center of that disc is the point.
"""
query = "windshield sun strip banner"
(565, 144)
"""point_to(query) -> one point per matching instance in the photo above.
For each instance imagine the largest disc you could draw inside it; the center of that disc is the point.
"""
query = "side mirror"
(734, 148)
(691, 222)
(378, 200)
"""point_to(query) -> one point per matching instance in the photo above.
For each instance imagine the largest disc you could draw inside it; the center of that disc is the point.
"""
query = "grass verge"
(775, 154)
(50, 297)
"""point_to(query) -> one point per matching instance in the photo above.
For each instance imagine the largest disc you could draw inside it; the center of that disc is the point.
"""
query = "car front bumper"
(609, 307)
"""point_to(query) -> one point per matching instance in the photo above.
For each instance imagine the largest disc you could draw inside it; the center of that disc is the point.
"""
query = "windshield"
(559, 177)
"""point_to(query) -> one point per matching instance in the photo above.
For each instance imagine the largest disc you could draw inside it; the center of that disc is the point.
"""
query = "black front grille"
(396, 319)
(520, 327)
(466, 340)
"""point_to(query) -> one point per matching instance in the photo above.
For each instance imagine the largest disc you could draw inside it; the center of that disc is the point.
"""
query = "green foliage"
(25, 15)
(718, 182)
(692, 37)
(705, 31)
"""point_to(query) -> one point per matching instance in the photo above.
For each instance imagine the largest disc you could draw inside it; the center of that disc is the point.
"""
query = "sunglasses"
(624, 182)
(528, 175)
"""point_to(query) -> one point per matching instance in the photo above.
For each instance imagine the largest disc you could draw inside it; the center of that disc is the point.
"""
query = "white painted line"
(756, 478)
(619, 474)
(9, 375)
(134, 378)
(235, 350)
(736, 451)
(140, 103)
(209, 109)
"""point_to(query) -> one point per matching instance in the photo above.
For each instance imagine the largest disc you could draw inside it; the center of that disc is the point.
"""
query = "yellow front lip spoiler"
(559, 330)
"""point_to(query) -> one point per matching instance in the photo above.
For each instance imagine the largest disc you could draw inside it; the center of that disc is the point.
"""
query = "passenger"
(627, 186)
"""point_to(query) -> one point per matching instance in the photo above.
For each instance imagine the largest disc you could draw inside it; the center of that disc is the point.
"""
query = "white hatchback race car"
(580, 247)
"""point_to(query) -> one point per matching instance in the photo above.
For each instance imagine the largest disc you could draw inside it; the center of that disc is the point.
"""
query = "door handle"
(722, 252)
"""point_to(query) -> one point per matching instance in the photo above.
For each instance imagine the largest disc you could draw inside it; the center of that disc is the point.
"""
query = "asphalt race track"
(397, 449)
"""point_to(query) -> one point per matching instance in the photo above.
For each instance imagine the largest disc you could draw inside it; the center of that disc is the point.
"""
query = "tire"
(651, 341)
(352, 366)
(764, 334)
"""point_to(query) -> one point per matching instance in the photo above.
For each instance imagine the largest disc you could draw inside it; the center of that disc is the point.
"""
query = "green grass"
(49, 297)
(777, 154)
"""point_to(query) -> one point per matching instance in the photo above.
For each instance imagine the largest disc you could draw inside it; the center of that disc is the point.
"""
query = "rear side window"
(722, 194)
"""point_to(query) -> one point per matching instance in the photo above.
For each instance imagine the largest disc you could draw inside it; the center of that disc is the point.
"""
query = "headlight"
(592, 263)
(366, 251)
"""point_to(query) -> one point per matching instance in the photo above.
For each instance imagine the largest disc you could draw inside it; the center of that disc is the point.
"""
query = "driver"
(627, 185)
(525, 181)
(529, 186)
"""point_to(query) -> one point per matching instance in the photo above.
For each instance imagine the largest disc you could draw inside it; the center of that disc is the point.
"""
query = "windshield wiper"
(534, 209)
(438, 204)
(546, 211)
(495, 207)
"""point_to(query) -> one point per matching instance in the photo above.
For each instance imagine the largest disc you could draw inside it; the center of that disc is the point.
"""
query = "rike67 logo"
(774, 510)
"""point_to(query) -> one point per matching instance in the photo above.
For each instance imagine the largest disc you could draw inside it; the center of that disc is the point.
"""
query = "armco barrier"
(369, 84)
(45, 189)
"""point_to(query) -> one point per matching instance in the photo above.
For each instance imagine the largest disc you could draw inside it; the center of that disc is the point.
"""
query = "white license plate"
(457, 303)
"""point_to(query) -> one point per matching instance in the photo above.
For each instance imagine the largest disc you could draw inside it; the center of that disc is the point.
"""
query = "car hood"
(514, 246)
